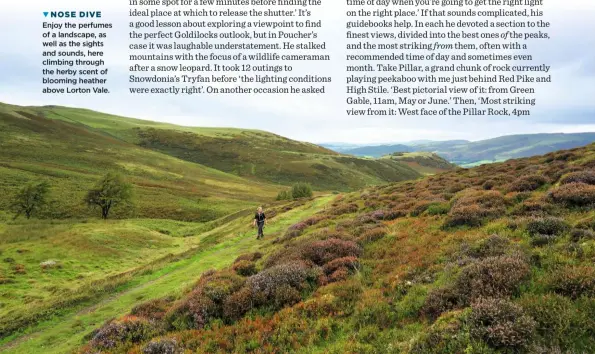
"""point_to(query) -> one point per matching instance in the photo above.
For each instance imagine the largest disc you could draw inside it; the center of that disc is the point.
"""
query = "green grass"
(75, 138)
(212, 249)
(71, 158)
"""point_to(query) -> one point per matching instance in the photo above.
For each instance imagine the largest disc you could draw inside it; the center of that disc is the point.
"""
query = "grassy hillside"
(251, 154)
(494, 259)
(72, 158)
(425, 162)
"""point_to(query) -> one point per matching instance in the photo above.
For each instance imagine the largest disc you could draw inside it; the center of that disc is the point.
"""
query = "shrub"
(162, 346)
(493, 246)
(547, 226)
(205, 302)
(574, 195)
(578, 235)
(474, 207)
(238, 304)
(178, 317)
(543, 240)
(395, 213)
(421, 207)
(501, 324)
(19, 269)
(377, 215)
(467, 215)
(349, 263)
(252, 257)
(586, 177)
(559, 321)
(130, 329)
(322, 252)
(527, 183)
(264, 284)
(295, 230)
(573, 281)
(286, 295)
(245, 268)
(534, 207)
(284, 195)
(368, 218)
(373, 234)
(344, 209)
(315, 219)
(488, 185)
(438, 209)
(441, 300)
(301, 190)
(201, 309)
(447, 335)
(338, 275)
(221, 285)
(455, 188)
(492, 277)
(152, 310)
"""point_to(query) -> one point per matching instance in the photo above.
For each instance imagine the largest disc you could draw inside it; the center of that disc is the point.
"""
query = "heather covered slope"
(494, 259)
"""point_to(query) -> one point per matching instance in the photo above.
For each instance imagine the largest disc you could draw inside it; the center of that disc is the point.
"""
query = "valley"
(403, 253)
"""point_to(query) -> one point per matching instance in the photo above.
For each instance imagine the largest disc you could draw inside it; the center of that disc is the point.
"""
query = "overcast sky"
(566, 105)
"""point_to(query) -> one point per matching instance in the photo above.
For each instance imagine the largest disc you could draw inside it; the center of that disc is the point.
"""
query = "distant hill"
(425, 162)
(469, 153)
(507, 147)
(378, 151)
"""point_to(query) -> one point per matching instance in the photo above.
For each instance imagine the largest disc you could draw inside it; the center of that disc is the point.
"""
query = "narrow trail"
(111, 302)
(65, 334)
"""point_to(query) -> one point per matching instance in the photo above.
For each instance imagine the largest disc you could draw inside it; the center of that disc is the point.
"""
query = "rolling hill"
(493, 259)
(379, 150)
(254, 156)
(470, 153)
(426, 162)
(72, 157)
(507, 147)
